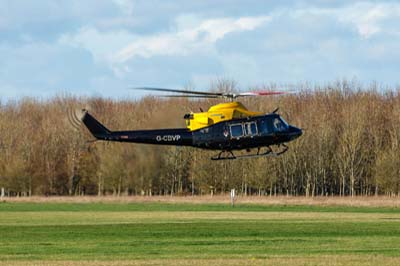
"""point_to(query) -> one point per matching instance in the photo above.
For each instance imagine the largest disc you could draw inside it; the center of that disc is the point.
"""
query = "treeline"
(350, 146)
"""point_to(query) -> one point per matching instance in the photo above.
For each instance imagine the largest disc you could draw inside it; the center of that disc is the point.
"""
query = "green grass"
(101, 231)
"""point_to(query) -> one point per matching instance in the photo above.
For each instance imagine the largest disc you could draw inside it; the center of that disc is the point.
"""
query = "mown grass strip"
(179, 207)
(158, 232)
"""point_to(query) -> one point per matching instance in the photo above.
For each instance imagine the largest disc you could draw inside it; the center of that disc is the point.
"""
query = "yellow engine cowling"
(216, 114)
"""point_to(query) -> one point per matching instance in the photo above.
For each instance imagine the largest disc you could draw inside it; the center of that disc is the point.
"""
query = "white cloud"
(366, 18)
(190, 36)
(102, 45)
(188, 39)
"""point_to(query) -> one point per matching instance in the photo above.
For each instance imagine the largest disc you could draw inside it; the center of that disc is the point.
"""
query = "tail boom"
(177, 136)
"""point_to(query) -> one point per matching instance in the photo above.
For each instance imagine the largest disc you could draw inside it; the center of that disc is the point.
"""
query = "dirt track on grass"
(281, 200)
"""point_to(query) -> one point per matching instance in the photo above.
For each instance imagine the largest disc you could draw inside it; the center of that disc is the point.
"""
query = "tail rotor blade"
(73, 121)
(75, 118)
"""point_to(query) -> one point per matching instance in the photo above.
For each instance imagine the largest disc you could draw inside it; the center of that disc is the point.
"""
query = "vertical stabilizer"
(94, 126)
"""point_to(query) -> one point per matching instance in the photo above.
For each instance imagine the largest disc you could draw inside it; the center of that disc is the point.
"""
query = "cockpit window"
(264, 126)
(284, 122)
(279, 124)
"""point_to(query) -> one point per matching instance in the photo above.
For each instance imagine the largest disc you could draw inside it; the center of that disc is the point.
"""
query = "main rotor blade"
(189, 96)
(262, 93)
(204, 94)
(217, 94)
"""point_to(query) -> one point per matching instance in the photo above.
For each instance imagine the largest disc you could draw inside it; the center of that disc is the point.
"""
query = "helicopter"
(225, 127)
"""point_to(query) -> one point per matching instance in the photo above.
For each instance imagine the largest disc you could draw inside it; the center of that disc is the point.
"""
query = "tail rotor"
(75, 117)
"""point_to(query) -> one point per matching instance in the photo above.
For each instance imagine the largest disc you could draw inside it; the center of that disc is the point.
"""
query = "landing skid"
(224, 155)
(228, 155)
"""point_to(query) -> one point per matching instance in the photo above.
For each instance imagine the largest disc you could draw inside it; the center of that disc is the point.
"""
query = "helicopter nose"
(295, 132)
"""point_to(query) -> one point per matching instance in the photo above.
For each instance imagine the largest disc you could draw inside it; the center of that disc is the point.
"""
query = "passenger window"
(204, 130)
(250, 129)
(253, 127)
(236, 130)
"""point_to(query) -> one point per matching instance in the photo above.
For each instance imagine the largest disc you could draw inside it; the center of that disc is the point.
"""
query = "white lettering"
(168, 138)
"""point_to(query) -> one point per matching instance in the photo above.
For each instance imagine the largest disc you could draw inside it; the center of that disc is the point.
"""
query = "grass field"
(156, 233)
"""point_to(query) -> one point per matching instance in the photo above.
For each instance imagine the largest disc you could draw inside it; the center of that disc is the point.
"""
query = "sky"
(102, 48)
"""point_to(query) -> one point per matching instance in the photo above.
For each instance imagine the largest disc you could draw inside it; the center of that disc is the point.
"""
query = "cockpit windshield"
(279, 124)
(284, 122)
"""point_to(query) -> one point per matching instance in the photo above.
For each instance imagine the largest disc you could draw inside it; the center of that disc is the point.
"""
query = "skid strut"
(224, 155)
(228, 155)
